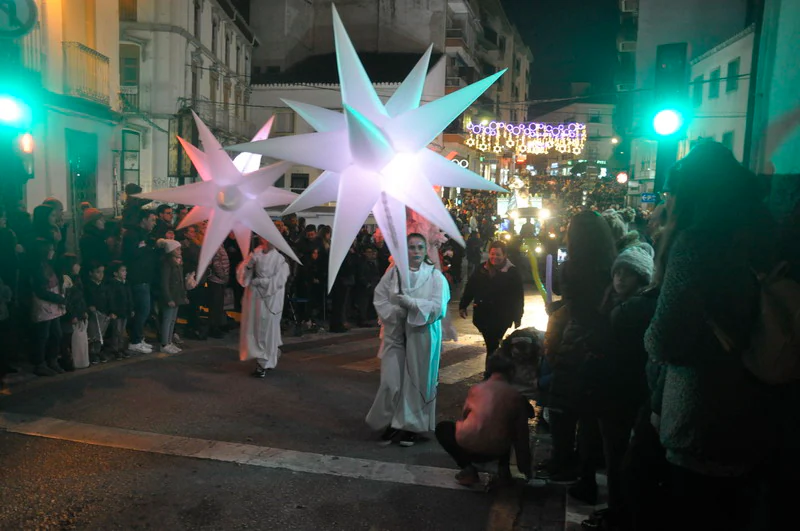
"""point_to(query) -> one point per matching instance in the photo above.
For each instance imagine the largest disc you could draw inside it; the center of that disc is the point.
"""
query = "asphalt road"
(192, 442)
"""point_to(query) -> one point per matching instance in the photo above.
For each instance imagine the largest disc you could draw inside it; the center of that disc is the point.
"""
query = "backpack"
(774, 352)
(773, 355)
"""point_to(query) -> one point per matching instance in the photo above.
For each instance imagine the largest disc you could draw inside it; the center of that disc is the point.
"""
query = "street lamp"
(615, 140)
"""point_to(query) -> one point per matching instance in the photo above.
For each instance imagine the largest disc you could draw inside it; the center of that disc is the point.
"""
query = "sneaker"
(170, 349)
(388, 436)
(94, 360)
(408, 439)
(103, 358)
(468, 477)
(44, 370)
(140, 348)
(259, 373)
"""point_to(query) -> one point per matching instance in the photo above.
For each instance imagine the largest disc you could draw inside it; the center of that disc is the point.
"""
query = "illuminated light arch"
(531, 137)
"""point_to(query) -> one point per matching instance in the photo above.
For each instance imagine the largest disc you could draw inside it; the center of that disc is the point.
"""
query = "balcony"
(453, 84)
(129, 98)
(128, 10)
(85, 73)
(219, 116)
(455, 38)
(33, 54)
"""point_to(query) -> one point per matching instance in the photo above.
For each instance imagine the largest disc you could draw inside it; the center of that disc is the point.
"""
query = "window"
(727, 140)
(713, 84)
(697, 91)
(501, 43)
(129, 76)
(732, 81)
(198, 17)
(299, 182)
(130, 156)
(214, 35)
(238, 58)
(128, 10)
(195, 86)
(227, 56)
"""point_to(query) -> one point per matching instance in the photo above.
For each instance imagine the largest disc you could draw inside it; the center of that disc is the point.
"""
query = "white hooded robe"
(264, 277)
(411, 350)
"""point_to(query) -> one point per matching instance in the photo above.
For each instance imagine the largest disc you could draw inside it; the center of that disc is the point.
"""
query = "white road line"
(245, 454)
(462, 370)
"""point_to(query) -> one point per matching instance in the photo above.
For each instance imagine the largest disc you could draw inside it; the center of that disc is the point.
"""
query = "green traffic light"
(14, 112)
(667, 122)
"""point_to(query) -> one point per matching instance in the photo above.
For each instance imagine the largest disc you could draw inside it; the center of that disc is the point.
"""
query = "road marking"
(245, 454)
(462, 370)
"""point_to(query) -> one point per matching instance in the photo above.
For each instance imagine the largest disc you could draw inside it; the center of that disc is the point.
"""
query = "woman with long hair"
(582, 333)
(410, 315)
(718, 232)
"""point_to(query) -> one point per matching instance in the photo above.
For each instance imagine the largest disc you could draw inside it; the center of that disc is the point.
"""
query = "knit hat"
(168, 245)
(90, 215)
(132, 189)
(639, 258)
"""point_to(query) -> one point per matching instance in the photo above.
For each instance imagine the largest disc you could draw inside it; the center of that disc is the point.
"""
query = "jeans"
(117, 331)
(446, 435)
(141, 307)
(47, 341)
(168, 318)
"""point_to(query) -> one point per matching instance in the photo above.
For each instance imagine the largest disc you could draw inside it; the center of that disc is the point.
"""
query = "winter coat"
(498, 301)
(708, 397)
(9, 261)
(140, 255)
(48, 294)
(76, 300)
(220, 267)
(93, 246)
(98, 295)
(5, 298)
(120, 298)
(173, 288)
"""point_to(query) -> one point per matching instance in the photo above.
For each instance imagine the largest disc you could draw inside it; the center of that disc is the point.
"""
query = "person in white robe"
(410, 315)
(435, 238)
(263, 275)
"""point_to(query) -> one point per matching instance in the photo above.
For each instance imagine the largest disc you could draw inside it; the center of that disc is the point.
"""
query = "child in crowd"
(173, 292)
(121, 308)
(47, 308)
(98, 300)
(74, 323)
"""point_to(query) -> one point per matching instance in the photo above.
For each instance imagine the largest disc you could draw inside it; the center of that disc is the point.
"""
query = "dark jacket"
(162, 228)
(140, 255)
(173, 287)
(93, 246)
(76, 300)
(498, 300)
(120, 298)
(367, 274)
(98, 295)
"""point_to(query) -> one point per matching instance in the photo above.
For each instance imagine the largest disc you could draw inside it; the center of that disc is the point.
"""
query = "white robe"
(264, 279)
(411, 350)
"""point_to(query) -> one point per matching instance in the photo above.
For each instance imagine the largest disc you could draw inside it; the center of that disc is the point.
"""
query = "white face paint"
(417, 251)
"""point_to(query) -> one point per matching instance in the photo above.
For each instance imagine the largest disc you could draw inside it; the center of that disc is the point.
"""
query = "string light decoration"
(532, 137)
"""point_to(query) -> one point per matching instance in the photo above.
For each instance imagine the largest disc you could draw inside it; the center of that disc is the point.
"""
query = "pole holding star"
(232, 195)
(374, 156)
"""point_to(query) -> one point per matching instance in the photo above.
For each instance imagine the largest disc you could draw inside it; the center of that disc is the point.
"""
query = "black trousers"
(446, 435)
(47, 341)
(216, 306)
(492, 336)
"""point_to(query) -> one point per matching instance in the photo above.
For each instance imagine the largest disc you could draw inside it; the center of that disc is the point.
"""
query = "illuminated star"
(232, 196)
(375, 156)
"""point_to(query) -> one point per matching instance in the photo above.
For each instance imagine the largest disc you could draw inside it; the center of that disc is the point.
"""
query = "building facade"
(73, 52)
(719, 90)
(175, 57)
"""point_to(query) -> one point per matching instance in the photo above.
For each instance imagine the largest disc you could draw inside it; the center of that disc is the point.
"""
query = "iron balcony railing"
(33, 53)
(85, 73)
(129, 98)
(221, 116)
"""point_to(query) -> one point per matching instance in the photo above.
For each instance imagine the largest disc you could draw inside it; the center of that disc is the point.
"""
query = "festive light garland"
(532, 137)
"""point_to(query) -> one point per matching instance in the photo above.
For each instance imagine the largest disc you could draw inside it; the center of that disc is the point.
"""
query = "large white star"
(375, 156)
(232, 195)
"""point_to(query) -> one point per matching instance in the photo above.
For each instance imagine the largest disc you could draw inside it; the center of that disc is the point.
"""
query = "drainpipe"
(752, 96)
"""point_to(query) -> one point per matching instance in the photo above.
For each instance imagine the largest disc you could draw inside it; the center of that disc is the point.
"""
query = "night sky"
(571, 40)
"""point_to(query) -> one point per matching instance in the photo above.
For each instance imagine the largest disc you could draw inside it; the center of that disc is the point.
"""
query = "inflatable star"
(375, 156)
(232, 196)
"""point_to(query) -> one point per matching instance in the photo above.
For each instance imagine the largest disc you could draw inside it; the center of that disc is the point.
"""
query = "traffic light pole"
(666, 156)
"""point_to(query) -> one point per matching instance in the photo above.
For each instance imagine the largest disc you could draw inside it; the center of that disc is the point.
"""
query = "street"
(191, 441)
